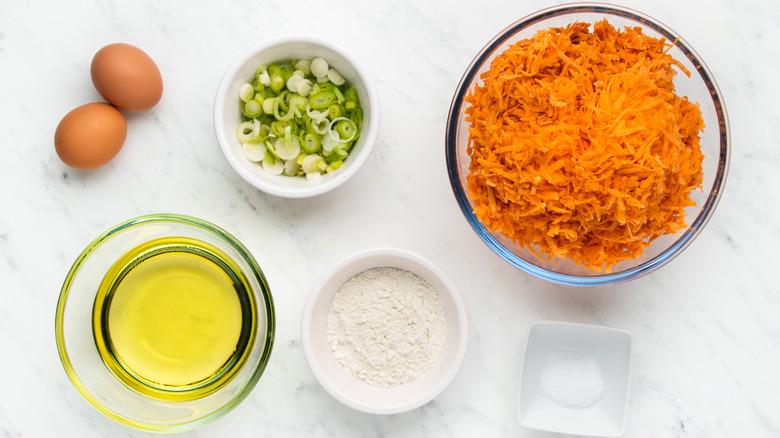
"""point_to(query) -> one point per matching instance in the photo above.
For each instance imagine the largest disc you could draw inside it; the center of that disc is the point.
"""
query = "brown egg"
(90, 135)
(126, 77)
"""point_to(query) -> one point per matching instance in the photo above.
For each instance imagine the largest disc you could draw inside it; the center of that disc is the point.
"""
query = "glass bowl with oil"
(165, 322)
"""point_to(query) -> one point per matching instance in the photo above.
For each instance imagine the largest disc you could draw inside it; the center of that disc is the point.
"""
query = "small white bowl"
(337, 380)
(227, 114)
(575, 379)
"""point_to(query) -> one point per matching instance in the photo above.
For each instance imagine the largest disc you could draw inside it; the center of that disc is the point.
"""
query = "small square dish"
(575, 379)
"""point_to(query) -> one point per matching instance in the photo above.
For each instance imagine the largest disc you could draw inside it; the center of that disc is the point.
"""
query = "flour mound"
(387, 326)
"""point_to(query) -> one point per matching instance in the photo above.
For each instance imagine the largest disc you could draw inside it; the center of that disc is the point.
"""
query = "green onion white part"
(313, 164)
(291, 167)
(335, 77)
(287, 149)
(273, 166)
(246, 92)
(303, 65)
(319, 67)
(254, 152)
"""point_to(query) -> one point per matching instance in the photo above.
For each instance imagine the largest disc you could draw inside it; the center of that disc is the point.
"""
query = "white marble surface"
(706, 327)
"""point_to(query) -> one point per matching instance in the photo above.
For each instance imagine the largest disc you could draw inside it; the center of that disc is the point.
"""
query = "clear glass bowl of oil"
(165, 322)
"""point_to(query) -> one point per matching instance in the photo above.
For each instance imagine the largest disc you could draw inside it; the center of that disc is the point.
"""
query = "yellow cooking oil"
(174, 319)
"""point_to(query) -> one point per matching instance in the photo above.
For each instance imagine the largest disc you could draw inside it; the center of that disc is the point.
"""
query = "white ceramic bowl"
(337, 380)
(575, 379)
(227, 114)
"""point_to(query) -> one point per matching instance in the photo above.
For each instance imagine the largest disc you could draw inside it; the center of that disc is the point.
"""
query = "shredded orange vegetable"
(580, 147)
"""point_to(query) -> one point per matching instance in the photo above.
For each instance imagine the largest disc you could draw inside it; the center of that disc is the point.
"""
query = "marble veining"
(706, 327)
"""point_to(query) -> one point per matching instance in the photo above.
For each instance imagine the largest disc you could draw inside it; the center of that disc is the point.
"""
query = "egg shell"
(126, 77)
(90, 136)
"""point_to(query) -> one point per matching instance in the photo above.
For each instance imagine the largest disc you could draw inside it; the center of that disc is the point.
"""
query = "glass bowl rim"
(267, 307)
(604, 279)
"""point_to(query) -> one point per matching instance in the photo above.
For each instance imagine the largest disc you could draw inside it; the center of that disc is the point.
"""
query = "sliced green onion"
(291, 167)
(272, 165)
(316, 115)
(254, 152)
(327, 86)
(285, 97)
(335, 111)
(303, 65)
(351, 98)
(313, 164)
(304, 87)
(344, 131)
(311, 143)
(320, 126)
(268, 105)
(263, 78)
(275, 74)
(357, 116)
(342, 149)
(300, 103)
(287, 71)
(279, 127)
(253, 108)
(319, 67)
(249, 131)
(301, 117)
(268, 93)
(279, 103)
(337, 154)
(322, 99)
(274, 70)
(263, 134)
(271, 150)
(292, 83)
(335, 77)
(339, 96)
(288, 149)
(277, 84)
(246, 92)
(329, 142)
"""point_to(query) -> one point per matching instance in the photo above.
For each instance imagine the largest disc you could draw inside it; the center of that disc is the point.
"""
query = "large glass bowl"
(700, 88)
(102, 387)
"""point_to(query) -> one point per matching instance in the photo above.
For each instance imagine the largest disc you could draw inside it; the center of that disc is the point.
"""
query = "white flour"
(387, 326)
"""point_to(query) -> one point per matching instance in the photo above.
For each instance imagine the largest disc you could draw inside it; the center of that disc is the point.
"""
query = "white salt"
(572, 379)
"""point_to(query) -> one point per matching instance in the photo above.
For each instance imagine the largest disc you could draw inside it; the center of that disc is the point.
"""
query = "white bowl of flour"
(384, 331)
